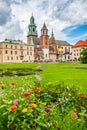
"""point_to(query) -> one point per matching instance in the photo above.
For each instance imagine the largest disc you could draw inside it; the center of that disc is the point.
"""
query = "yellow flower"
(24, 110)
(44, 103)
(69, 94)
(32, 105)
(49, 83)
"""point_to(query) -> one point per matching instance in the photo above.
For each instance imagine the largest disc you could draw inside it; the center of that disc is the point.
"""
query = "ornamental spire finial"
(52, 34)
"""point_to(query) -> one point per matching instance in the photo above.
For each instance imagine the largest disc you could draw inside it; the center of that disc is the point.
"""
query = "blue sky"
(67, 18)
(76, 32)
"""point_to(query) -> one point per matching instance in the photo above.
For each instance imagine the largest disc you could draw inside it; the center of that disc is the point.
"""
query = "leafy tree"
(83, 57)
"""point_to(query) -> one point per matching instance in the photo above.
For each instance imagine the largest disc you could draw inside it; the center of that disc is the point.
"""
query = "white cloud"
(56, 14)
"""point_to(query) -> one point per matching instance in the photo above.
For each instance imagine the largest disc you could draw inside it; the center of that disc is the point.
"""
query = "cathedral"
(47, 48)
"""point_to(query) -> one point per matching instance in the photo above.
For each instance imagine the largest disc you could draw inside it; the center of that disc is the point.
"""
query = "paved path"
(38, 77)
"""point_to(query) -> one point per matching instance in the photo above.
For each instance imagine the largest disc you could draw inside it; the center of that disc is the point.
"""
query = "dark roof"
(62, 43)
(10, 41)
(36, 41)
(44, 26)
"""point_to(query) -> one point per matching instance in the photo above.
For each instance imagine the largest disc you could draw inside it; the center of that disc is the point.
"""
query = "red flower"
(26, 94)
(47, 109)
(74, 115)
(13, 83)
(83, 96)
(13, 107)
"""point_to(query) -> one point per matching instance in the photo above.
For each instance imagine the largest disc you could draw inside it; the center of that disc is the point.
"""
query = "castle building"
(47, 48)
(43, 48)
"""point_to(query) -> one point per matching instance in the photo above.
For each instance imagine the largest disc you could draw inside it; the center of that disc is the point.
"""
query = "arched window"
(33, 29)
(46, 55)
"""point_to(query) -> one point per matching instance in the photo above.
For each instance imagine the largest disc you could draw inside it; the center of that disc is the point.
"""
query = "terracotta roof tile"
(80, 43)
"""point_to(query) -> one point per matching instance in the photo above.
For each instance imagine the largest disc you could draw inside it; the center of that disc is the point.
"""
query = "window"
(11, 52)
(30, 48)
(46, 55)
(21, 52)
(15, 47)
(33, 29)
(68, 57)
(30, 53)
(15, 52)
(27, 47)
(11, 46)
(11, 58)
(17, 57)
(21, 47)
(6, 46)
(6, 52)
(27, 53)
(7, 57)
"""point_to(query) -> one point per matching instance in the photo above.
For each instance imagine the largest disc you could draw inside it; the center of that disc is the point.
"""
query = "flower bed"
(36, 107)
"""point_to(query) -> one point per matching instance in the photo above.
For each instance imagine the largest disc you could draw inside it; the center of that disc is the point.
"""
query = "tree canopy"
(83, 57)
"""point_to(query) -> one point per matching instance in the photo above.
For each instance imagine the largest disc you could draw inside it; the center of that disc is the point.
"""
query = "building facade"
(15, 51)
(77, 49)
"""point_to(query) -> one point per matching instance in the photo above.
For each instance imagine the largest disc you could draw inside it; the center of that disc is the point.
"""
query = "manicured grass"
(17, 65)
(71, 73)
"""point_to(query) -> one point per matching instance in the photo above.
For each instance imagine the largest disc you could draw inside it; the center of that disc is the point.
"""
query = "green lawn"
(71, 73)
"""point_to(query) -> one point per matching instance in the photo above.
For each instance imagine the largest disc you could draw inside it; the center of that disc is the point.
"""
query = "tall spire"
(52, 34)
(44, 26)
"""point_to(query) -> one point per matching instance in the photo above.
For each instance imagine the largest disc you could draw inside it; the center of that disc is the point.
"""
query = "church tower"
(32, 32)
(44, 41)
(53, 42)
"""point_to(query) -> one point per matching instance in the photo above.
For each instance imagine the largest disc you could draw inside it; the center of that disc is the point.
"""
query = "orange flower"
(51, 90)
(55, 102)
(32, 105)
(13, 107)
(74, 115)
(38, 89)
(13, 83)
